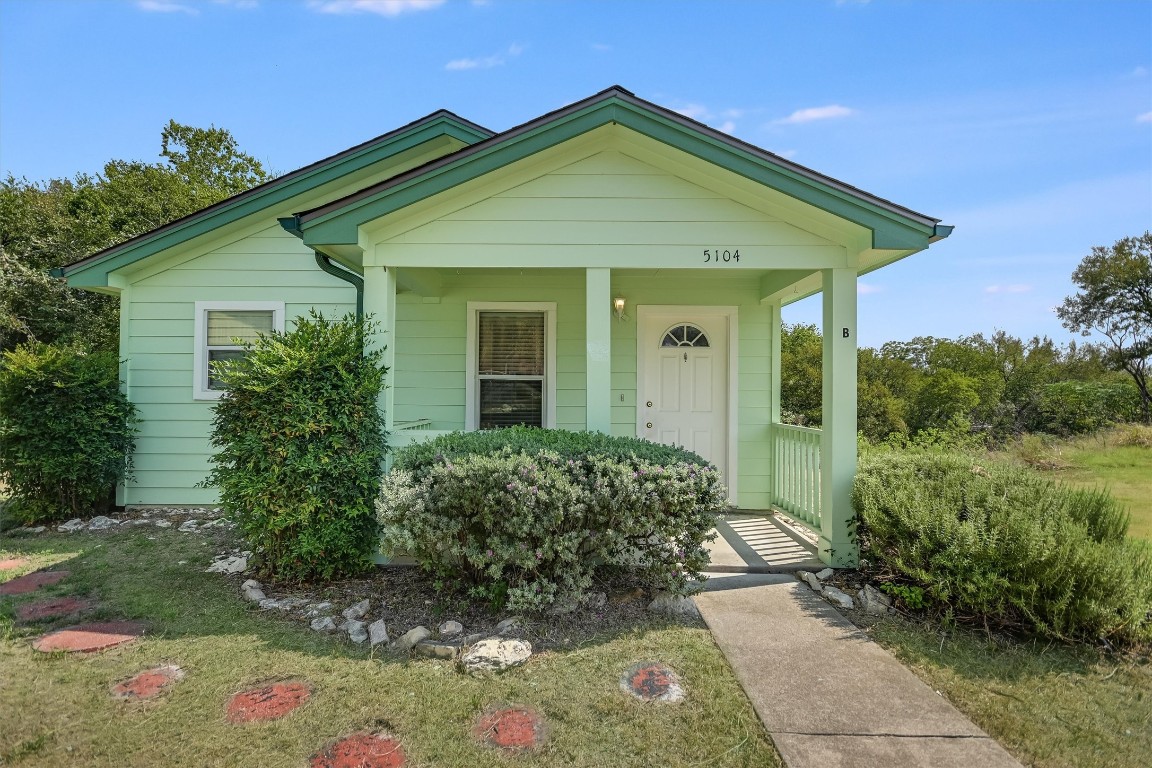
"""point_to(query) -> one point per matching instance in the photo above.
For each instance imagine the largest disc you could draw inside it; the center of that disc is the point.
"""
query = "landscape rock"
(163, 524)
(409, 639)
(75, 524)
(508, 625)
(874, 601)
(323, 624)
(356, 630)
(563, 605)
(270, 603)
(451, 629)
(255, 595)
(229, 565)
(495, 655)
(838, 598)
(378, 632)
(317, 609)
(595, 600)
(673, 605)
(188, 526)
(825, 574)
(358, 611)
(37, 529)
(100, 523)
(810, 579)
(472, 639)
(251, 584)
(436, 649)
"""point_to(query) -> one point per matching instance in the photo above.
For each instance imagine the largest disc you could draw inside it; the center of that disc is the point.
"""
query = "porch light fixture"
(618, 307)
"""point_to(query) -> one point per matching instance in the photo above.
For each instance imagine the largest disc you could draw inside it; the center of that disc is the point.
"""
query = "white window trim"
(200, 389)
(472, 401)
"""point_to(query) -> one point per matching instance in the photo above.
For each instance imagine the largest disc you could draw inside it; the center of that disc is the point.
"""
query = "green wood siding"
(172, 448)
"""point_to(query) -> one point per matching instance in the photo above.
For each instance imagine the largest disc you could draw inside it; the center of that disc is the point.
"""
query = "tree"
(1115, 301)
(50, 224)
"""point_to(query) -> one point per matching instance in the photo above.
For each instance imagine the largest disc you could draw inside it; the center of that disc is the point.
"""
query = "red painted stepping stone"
(361, 750)
(652, 681)
(90, 637)
(31, 582)
(52, 608)
(13, 563)
(267, 703)
(149, 683)
(510, 728)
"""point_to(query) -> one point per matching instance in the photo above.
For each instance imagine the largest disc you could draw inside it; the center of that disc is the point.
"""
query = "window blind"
(510, 368)
(246, 325)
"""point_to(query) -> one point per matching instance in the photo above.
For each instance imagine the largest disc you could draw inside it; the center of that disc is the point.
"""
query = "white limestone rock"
(874, 601)
(229, 565)
(358, 611)
(495, 655)
(838, 598)
(378, 632)
(437, 649)
(509, 624)
(189, 526)
(673, 605)
(825, 574)
(317, 609)
(451, 629)
(101, 523)
(356, 630)
(810, 579)
(75, 524)
(163, 524)
(323, 624)
(409, 639)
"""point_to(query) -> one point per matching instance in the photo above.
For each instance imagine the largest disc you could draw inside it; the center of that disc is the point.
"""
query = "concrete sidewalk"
(827, 694)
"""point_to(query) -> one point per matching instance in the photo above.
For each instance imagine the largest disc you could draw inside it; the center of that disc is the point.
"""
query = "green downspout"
(292, 224)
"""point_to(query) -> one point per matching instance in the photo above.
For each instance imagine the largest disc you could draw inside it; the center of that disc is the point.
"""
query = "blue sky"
(1027, 125)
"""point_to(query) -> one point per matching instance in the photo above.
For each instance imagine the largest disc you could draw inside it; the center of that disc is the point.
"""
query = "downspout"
(292, 224)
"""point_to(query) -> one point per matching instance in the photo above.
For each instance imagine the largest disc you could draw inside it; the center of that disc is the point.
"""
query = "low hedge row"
(1004, 546)
(525, 517)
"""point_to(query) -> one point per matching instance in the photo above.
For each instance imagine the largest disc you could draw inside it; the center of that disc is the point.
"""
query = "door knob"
(649, 425)
(649, 403)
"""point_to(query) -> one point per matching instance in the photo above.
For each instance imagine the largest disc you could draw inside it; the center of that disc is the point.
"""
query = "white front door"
(682, 381)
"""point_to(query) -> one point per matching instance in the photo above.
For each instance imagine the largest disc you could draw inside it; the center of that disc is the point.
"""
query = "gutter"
(291, 224)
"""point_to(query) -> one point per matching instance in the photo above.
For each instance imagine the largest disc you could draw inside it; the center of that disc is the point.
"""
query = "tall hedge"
(66, 431)
(300, 445)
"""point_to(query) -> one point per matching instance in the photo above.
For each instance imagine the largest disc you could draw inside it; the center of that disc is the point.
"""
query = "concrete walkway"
(827, 694)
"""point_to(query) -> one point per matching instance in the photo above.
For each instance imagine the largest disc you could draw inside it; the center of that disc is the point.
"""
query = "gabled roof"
(441, 123)
(893, 226)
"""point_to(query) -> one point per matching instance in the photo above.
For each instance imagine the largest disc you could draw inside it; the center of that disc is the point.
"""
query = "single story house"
(610, 266)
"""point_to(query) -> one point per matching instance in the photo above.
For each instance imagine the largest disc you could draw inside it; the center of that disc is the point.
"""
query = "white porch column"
(838, 442)
(380, 306)
(773, 397)
(598, 335)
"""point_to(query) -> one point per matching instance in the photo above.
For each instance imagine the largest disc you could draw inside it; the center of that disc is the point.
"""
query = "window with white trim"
(511, 365)
(222, 329)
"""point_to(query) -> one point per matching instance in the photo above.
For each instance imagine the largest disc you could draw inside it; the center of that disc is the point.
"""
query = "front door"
(682, 382)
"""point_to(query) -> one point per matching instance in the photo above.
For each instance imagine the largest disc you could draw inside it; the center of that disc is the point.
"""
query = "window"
(222, 328)
(511, 365)
(684, 335)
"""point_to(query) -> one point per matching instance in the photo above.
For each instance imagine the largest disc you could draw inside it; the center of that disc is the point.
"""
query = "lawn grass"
(57, 711)
(1050, 705)
(1099, 461)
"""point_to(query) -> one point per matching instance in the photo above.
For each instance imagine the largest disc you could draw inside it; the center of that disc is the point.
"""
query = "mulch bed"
(87, 638)
(269, 702)
(32, 581)
(652, 681)
(13, 563)
(512, 729)
(52, 608)
(361, 750)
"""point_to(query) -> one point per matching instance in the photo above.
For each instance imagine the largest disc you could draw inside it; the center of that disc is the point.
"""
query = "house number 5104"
(716, 255)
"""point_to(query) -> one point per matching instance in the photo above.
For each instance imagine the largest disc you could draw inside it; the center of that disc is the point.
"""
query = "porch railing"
(796, 484)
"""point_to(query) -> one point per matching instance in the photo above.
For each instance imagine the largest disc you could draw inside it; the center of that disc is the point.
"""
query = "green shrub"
(66, 431)
(526, 517)
(1078, 407)
(1004, 546)
(300, 445)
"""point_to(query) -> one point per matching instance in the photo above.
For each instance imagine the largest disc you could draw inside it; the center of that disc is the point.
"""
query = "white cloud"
(485, 62)
(1144, 118)
(694, 111)
(863, 289)
(787, 154)
(1140, 72)
(379, 7)
(830, 112)
(842, 3)
(1014, 288)
(243, 5)
(165, 6)
(601, 47)
(728, 126)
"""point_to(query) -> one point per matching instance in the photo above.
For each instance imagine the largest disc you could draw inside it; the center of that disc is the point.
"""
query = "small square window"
(222, 330)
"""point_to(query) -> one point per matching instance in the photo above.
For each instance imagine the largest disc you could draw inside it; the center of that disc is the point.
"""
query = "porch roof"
(335, 226)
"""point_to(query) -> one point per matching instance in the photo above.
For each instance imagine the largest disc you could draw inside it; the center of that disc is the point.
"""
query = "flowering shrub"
(524, 526)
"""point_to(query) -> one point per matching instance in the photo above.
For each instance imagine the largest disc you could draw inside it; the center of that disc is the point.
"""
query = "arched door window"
(684, 335)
